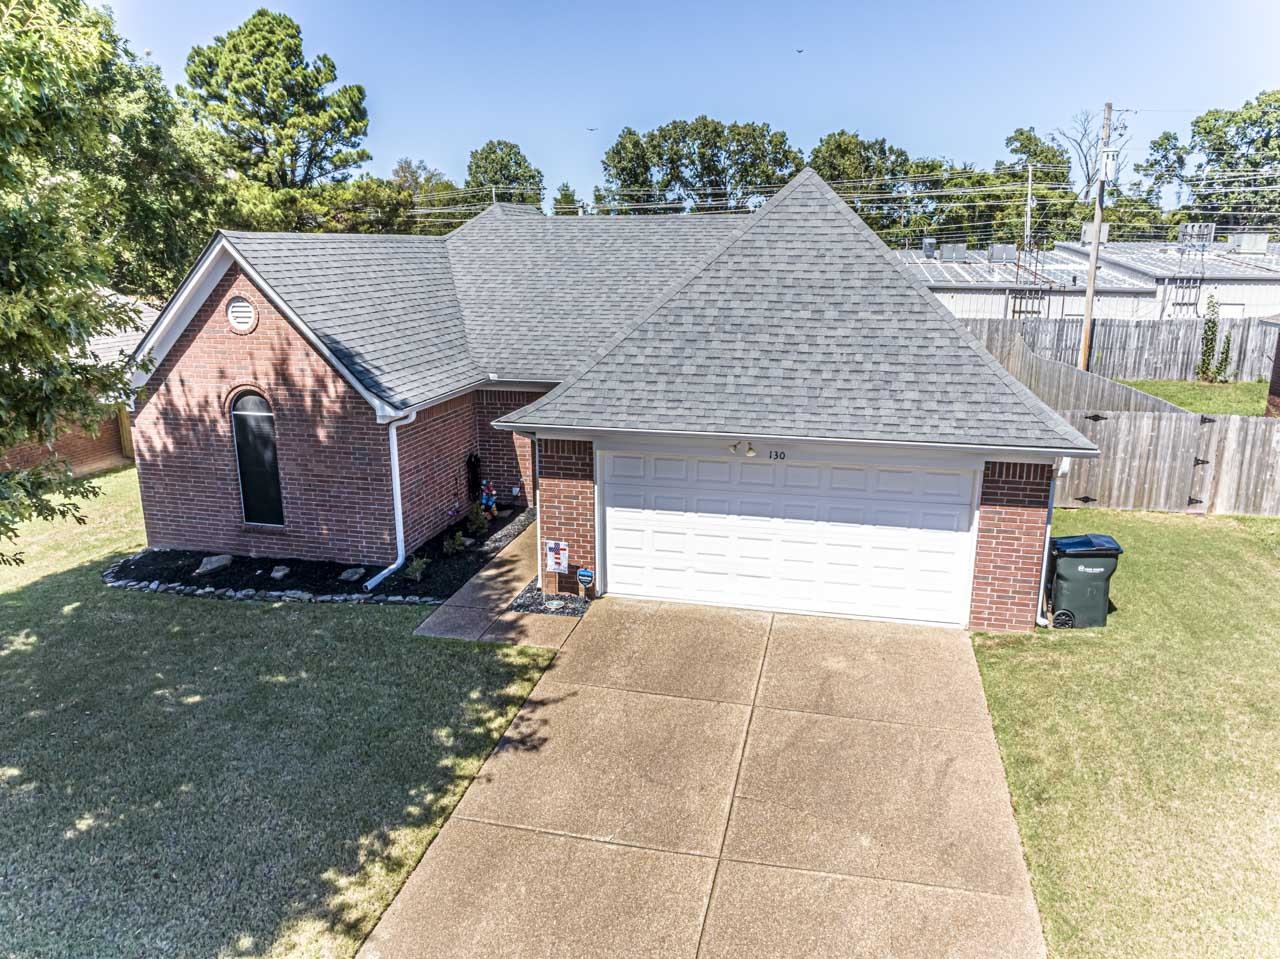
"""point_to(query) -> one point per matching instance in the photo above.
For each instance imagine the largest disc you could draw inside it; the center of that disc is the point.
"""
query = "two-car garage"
(796, 528)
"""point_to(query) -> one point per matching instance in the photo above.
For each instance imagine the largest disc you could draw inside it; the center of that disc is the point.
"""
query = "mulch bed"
(173, 570)
(533, 600)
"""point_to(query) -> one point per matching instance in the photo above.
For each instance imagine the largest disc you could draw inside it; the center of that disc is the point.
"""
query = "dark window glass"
(255, 430)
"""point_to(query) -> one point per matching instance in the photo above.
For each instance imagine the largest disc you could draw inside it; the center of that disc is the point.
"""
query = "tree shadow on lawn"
(193, 777)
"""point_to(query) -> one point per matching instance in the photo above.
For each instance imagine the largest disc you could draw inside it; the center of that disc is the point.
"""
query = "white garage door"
(850, 538)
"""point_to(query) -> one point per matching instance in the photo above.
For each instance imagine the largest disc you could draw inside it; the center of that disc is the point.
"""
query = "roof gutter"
(530, 428)
(397, 501)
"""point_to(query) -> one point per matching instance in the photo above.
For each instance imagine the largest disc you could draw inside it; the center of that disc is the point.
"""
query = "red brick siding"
(1011, 530)
(505, 458)
(1273, 394)
(333, 455)
(566, 508)
(433, 467)
(83, 452)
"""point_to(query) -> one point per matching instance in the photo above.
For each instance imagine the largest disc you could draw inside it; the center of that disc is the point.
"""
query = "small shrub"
(415, 568)
(454, 545)
(1208, 343)
(477, 522)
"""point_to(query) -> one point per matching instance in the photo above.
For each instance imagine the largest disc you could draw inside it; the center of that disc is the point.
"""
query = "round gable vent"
(241, 315)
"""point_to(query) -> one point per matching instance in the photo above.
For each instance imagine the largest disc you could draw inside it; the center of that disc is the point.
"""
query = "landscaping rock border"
(260, 595)
(489, 547)
(533, 600)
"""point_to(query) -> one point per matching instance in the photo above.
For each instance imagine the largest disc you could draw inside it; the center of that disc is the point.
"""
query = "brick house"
(111, 445)
(758, 410)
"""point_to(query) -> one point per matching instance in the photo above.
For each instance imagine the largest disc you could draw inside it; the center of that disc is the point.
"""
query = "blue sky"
(943, 79)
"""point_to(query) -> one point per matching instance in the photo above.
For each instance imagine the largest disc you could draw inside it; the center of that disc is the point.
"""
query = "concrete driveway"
(690, 781)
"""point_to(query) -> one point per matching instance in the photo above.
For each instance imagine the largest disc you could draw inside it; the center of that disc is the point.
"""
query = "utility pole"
(1026, 219)
(1086, 328)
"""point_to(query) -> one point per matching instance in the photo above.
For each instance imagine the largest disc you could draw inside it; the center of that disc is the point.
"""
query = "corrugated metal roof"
(1167, 261)
(1044, 268)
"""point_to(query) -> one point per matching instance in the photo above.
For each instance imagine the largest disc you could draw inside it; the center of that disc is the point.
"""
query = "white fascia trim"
(182, 306)
(489, 381)
(396, 414)
(576, 432)
(196, 289)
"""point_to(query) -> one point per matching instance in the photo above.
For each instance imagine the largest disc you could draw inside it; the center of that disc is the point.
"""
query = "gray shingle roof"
(385, 306)
(539, 292)
(802, 324)
(112, 346)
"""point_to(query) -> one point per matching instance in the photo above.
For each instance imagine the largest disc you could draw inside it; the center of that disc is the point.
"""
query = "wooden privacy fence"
(1154, 455)
(1136, 349)
(1181, 462)
(1064, 387)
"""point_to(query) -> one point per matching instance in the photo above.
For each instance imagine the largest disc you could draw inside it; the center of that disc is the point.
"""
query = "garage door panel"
(669, 502)
(669, 468)
(893, 542)
(756, 474)
(955, 487)
(850, 479)
(625, 467)
(802, 478)
(714, 471)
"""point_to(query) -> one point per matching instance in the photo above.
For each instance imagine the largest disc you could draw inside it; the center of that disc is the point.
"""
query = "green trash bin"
(1081, 581)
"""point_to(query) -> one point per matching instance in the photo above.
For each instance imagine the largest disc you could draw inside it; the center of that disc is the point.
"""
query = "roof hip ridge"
(753, 219)
(1036, 406)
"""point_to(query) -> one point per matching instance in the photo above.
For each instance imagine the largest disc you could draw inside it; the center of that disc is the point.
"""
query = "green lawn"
(1245, 399)
(187, 777)
(1144, 758)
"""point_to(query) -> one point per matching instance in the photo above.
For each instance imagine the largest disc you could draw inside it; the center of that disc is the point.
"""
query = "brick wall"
(333, 455)
(566, 508)
(83, 452)
(505, 458)
(433, 467)
(1273, 394)
(1011, 529)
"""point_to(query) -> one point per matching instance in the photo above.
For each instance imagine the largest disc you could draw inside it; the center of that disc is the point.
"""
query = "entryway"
(694, 781)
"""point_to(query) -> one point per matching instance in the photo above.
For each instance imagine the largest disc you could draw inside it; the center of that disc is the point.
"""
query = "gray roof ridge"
(609, 345)
(1033, 403)
(329, 235)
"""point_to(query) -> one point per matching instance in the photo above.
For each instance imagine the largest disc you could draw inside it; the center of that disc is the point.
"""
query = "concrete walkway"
(688, 781)
(478, 609)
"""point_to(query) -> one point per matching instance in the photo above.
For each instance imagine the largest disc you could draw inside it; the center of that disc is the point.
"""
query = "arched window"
(255, 431)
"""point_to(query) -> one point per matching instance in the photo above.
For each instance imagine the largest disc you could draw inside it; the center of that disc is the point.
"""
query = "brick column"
(566, 508)
(1273, 395)
(1011, 529)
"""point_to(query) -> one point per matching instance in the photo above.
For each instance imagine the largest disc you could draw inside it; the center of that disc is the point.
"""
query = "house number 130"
(777, 454)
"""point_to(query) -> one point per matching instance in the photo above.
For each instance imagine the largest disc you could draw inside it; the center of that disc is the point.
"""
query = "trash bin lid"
(1089, 544)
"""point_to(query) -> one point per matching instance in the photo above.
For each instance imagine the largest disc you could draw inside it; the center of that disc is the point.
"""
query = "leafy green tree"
(280, 122)
(167, 183)
(699, 164)
(871, 172)
(502, 167)
(630, 178)
(435, 197)
(1238, 151)
(566, 202)
(59, 115)
(1166, 161)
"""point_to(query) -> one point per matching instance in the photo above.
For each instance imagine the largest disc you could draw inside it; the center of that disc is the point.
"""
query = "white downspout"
(396, 501)
(1041, 618)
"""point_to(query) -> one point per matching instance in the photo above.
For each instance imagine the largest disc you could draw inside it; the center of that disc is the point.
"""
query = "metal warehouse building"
(1138, 281)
